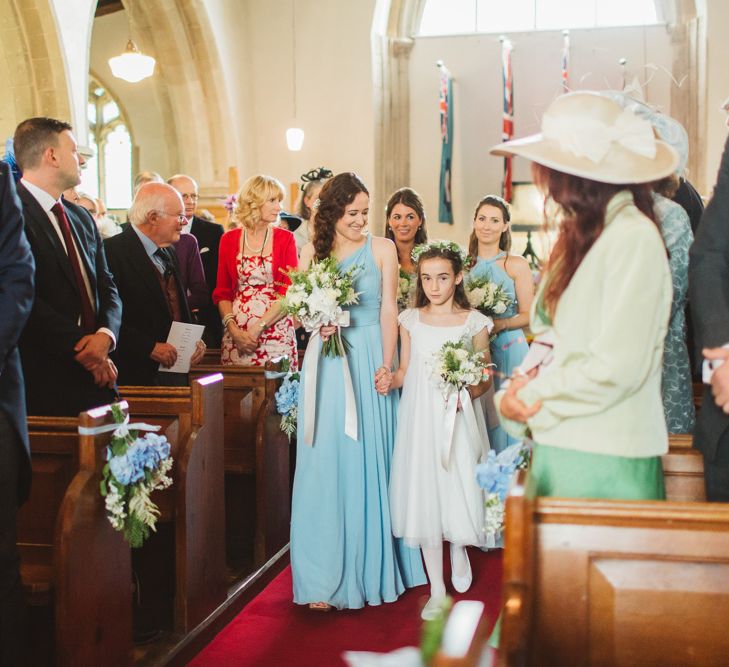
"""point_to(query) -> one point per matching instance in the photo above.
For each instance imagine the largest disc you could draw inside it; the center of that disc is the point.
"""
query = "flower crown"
(442, 247)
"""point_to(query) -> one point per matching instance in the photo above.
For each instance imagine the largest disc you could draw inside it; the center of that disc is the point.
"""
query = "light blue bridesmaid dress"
(509, 348)
(342, 548)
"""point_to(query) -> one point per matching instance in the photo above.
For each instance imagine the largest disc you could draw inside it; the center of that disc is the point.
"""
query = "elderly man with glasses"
(147, 274)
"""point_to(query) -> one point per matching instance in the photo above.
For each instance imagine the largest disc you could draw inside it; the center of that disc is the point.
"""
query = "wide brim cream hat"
(588, 135)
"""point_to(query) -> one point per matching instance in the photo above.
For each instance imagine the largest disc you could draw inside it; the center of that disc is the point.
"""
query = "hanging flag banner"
(445, 102)
(565, 61)
(508, 118)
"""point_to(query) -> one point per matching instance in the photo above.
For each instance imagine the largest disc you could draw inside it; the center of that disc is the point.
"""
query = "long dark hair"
(504, 239)
(583, 204)
(460, 298)
(407, 197)
(335, 196)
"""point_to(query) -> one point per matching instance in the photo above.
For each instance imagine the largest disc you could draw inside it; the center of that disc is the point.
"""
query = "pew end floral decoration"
(287, 401)
(494, 477)
(136, 465)
(315, 298)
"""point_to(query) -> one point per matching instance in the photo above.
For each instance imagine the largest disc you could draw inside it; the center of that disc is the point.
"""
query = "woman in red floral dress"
(252, 275)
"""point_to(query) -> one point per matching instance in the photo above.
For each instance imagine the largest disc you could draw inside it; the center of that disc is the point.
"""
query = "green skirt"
(567, 473)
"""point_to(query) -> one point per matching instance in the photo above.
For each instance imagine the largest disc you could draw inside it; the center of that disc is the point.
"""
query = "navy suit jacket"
(55, 383)
(16, 299)
(146, 319)
(709, 301)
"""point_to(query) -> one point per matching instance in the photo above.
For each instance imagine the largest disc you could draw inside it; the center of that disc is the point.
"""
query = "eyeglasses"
(180, 218)
(189, 196)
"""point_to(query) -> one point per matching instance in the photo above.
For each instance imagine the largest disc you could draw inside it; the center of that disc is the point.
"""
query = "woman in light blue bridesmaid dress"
(343, 553)
(488, 247)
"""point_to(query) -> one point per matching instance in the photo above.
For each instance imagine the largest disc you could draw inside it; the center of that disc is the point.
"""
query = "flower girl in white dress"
(430, 501)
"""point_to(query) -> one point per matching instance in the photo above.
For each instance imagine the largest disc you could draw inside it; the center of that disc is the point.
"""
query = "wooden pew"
(683, 470)
(614, 583)
(70, 554)
(192, 419)
(256, 449)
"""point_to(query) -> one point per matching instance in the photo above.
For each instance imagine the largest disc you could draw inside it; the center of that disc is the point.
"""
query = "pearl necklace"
(255, 251)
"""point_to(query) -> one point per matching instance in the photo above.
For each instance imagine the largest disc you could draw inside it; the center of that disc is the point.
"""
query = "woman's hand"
(383, 380)
(244, 342)
(512, 407)
(326, 332)
(254, 328)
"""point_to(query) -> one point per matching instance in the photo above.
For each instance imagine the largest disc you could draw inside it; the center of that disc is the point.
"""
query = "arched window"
(108, 175)
(452, 17)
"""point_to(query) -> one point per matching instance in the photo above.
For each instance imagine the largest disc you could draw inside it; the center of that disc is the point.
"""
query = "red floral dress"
(254, 296)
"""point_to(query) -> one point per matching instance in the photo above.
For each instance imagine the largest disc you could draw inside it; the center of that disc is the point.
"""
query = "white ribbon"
(311, 368)
(469, 417)
(584, 136)
(123, 428)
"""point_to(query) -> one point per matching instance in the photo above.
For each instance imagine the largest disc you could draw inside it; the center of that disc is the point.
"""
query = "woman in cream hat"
(590, 392)
(593, 404)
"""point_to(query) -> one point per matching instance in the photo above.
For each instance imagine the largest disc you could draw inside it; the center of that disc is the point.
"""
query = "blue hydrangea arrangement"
(135, 467)
(494, 477)
(287, 401)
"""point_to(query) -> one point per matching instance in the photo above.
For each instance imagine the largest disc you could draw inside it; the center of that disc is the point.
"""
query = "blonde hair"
(252, 195)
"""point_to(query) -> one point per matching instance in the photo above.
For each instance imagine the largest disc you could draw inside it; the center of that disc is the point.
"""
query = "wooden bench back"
(254, 445)
(683, 470)
(192, 419)
(614, 583)
(68, 546)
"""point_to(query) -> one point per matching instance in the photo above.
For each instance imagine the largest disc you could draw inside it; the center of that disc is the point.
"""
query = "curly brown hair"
(335, 196)
(504, 239)
(460, 298)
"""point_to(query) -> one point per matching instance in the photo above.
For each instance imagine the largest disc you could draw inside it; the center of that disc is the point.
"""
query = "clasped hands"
(512, 407)
(166, 354)
(92, 352)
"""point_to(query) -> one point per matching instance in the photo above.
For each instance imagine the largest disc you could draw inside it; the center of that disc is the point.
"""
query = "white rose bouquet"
(405, 289)
(487, 296)
(316, 296)
(456, 367)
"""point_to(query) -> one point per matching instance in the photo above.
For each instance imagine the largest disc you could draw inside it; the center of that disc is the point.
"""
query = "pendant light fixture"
(132, 65)
(294, 135)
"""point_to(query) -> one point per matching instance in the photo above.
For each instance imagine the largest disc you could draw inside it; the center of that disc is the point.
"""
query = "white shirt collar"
(42, 197)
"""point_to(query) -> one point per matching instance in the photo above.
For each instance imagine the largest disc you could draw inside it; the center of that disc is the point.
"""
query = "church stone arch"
(31, 62)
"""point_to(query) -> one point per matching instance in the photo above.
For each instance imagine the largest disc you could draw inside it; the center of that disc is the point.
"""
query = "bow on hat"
(592, 138)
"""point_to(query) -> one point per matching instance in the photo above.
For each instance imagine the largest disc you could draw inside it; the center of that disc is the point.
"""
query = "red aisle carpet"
(273, 631)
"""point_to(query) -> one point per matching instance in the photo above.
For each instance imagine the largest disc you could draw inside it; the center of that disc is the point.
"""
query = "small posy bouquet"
(287, 402)
(456, 367)
(405, 289)
(136, 466)
(316, 296)
(494, 477)
(487, 296)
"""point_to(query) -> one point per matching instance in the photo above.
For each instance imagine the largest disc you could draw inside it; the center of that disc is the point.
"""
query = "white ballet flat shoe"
(461, 584)
(432, 608)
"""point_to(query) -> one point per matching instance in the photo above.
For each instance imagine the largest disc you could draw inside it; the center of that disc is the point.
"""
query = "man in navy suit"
(76, 315)
(16, 298)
